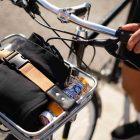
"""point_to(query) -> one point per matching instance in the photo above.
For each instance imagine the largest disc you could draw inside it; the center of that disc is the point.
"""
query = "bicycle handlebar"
(65, 16)
(123, 36)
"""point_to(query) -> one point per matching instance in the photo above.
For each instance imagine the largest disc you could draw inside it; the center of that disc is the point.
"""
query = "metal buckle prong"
(16, 59)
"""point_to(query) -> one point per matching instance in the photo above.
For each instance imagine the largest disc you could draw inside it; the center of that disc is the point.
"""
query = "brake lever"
(113, 48)
(20, 3)
(110, 45)
(30, 6)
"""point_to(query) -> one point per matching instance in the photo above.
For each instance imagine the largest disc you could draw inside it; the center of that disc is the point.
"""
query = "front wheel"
(84, 125)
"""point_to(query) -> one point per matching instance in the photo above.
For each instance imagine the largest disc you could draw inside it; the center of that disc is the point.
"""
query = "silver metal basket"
(47, 131)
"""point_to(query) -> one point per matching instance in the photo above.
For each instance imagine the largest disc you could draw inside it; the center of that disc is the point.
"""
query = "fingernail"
(129, 48)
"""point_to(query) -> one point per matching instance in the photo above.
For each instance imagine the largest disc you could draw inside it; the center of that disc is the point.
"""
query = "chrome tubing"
(71, 17)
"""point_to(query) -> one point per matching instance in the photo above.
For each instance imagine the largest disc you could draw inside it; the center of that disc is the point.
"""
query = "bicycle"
(95, 26)
(76, 55)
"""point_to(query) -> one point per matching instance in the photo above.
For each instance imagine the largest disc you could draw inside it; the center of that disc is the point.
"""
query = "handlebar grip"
(123, 35)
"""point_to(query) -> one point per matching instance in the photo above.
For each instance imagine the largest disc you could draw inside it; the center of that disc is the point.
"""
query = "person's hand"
(134, 41)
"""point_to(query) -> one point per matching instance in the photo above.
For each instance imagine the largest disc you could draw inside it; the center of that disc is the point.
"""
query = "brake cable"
(35, 11)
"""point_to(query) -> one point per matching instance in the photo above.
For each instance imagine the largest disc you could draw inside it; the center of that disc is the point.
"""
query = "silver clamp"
(64, 15)
(80, 10)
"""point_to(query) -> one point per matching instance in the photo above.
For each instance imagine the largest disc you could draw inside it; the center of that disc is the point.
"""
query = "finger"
(137, 48)
(131, 27)
(134, 39)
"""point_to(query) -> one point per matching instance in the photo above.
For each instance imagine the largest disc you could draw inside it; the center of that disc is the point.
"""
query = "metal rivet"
(62, 98)
(57, 94)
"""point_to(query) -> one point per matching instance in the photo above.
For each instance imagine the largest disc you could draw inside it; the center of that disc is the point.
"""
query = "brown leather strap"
(31, 72)
(36, 76)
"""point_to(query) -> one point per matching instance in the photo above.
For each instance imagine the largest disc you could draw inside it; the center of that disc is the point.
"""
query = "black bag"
(46, 58)
(20, 99)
